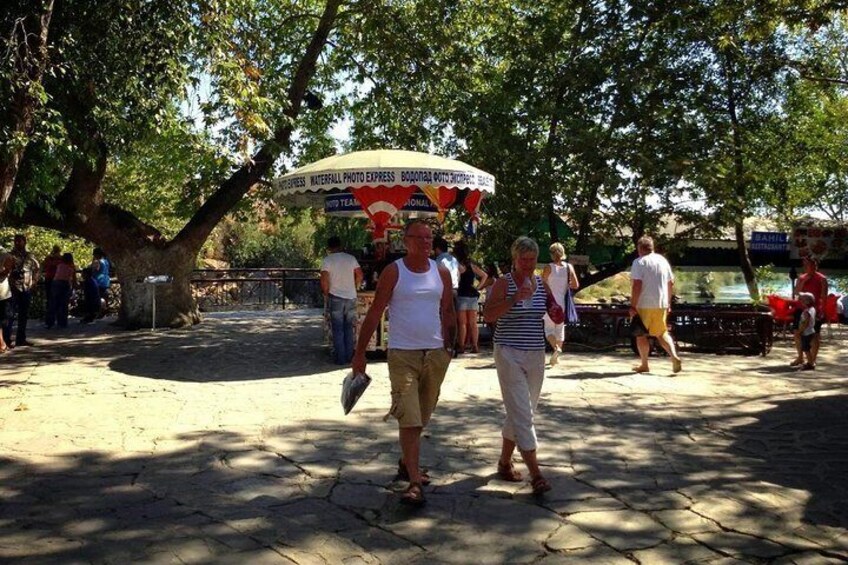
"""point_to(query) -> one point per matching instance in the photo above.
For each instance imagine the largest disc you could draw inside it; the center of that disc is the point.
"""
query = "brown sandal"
(413, 495)
(540, 485)
(403, 474)
(508, 473)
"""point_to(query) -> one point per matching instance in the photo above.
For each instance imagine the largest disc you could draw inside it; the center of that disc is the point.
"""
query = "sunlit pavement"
(227, 443)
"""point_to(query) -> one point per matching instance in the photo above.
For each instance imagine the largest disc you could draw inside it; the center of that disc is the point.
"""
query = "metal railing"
(221, 290)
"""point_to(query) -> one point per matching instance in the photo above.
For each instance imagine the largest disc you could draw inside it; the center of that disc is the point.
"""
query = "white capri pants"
(520, 374)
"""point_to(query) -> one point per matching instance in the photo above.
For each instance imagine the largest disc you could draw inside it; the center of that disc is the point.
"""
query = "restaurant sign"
(769, 241)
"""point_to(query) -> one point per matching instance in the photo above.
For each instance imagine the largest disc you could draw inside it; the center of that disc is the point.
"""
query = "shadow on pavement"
(325, 489)
(587, 375)
(321, 489)
(322, 492)
(804, 445)
(224, 348)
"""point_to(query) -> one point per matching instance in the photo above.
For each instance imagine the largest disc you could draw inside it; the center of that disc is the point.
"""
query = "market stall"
(386, 186)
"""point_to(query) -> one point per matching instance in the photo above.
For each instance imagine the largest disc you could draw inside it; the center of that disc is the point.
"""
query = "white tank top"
(414, 321)
(558, 281)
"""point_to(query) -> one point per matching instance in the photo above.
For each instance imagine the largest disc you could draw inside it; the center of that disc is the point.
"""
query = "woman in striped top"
(517, 304)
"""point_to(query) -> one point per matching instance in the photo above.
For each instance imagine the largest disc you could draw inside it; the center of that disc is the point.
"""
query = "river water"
(738, 293)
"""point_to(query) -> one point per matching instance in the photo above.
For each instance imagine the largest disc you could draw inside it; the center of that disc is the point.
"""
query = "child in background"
(807, 328)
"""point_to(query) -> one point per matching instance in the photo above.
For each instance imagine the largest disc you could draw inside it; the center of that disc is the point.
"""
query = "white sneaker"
(554, 358)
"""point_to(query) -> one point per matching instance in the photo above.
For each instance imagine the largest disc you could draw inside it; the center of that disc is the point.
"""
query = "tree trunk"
(745, 263)
(740, 184)
(138, 249)
(175, 305)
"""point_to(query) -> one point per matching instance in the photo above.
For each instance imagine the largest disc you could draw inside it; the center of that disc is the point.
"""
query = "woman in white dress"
(558, 275)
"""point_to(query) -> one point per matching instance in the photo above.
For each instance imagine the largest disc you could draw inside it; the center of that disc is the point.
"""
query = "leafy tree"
(285, 243)
(24, 25)
(809, 139)
(115, 77)
(744, 56)
(576, 107)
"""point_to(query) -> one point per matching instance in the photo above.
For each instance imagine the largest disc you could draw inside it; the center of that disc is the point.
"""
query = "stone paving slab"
(226, 444)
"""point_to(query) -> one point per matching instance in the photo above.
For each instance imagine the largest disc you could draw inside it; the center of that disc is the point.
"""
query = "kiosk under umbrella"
(386, 186)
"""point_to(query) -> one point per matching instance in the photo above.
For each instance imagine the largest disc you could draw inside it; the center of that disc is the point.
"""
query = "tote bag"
(571, 316)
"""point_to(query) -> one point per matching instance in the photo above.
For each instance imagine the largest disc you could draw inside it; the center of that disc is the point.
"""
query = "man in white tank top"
(422, 328)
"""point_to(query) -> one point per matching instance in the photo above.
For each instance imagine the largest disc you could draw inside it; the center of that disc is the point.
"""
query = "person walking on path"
(63, 283)
(91, 297)
(418, 293)
(48, 269)
(7, 263)
(101, 271)
(517, 303)
(341, 275)
(815, 283)
(560, 277)
(22, 280)
(652, 286)
(448, 261)
(468, 299)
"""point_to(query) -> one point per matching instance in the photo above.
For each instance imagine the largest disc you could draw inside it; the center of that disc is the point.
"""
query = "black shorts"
(5, 310)
(807, 342)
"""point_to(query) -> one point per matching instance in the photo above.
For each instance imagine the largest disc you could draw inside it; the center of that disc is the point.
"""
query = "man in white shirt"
(22, 280)
(446, 260)
(652, 286)
(450, 263)
(341, 275)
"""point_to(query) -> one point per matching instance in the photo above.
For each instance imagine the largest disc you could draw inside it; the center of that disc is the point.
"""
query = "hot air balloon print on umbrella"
(386, 184)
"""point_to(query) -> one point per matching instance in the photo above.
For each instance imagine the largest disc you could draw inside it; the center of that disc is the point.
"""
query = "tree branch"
(829, 80)
(18, 118)
(234, 188)
(803, 72)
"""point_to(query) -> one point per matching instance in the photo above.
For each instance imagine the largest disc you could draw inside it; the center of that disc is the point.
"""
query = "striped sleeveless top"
(520, 327)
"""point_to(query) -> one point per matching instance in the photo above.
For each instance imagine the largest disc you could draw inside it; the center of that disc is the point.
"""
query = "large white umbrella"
(382, 183)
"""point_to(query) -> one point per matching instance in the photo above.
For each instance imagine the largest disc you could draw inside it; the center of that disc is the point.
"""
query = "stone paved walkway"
(226, 444)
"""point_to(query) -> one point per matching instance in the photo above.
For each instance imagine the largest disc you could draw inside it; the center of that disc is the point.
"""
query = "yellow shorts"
(416, 377)
(654, 320)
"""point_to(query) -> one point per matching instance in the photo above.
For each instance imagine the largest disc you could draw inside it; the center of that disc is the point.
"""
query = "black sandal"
(403, 474)
(413, 495)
